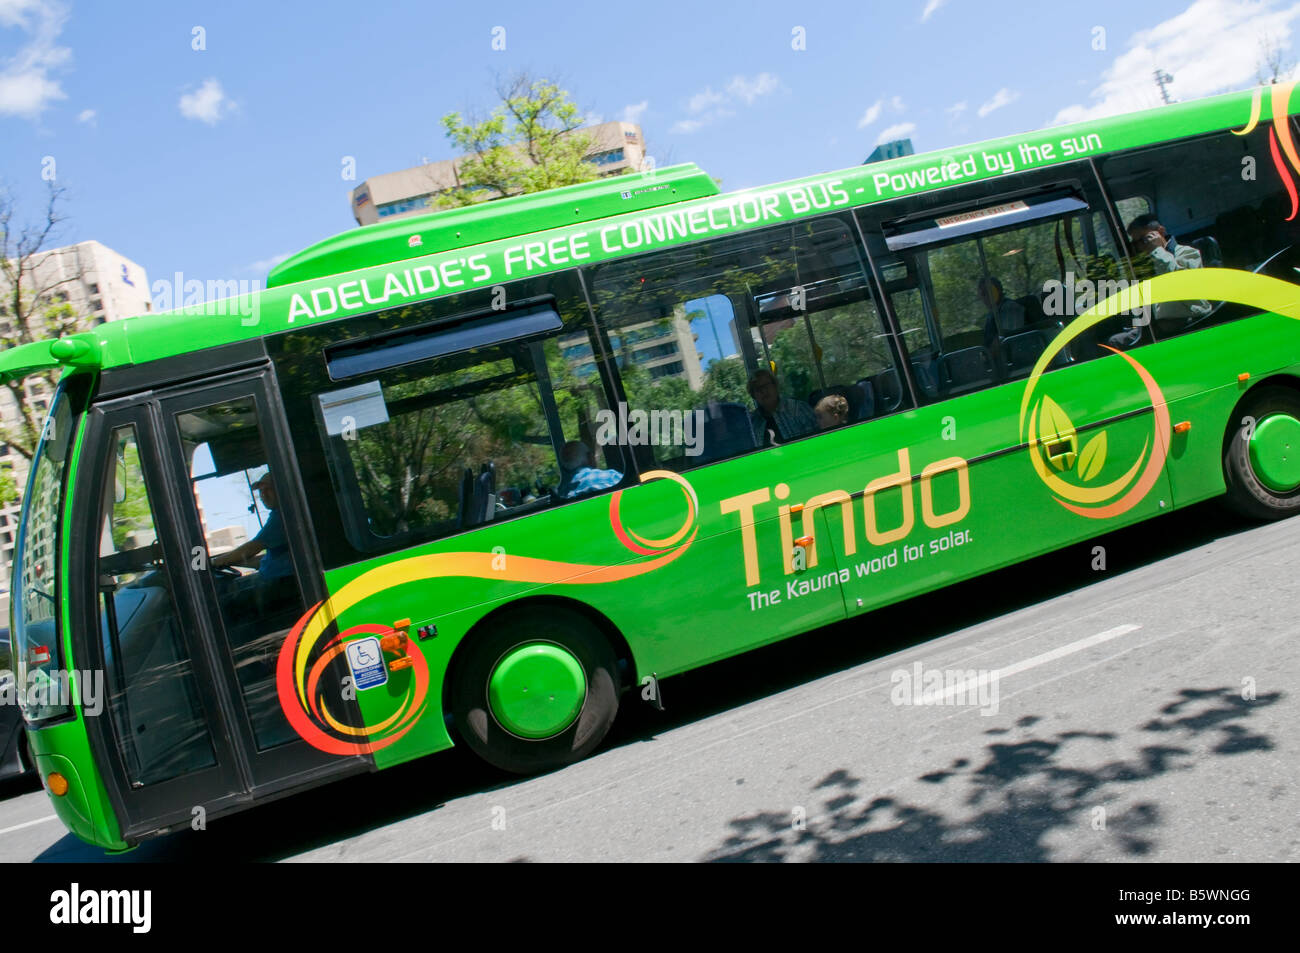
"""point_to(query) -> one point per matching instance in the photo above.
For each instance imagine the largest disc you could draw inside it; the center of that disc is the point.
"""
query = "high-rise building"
(894, 149)
(664, 347)
(616, 146)
(100, 285)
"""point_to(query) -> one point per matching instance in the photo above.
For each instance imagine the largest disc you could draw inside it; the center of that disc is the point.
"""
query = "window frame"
(749, 319)
(338, 510)
(1078, 176)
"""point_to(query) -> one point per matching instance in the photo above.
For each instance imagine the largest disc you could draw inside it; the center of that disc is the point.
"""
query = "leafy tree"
(8, 484)
(726, 381)
(529, 143)
(33, 306)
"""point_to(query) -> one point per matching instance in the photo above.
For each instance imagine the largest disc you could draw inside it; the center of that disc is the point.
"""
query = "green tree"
(529, 143)
(726, 381)
(8, 485)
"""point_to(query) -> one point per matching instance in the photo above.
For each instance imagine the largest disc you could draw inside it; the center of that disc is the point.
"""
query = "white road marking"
(1016, 667)
(656, 764)
(39, 820)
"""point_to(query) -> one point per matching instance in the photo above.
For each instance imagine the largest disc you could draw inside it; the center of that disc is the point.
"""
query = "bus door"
(202, 568)
(980, 281)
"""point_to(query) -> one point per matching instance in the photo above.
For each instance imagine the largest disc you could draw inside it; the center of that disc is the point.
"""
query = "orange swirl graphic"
(1279, 134)
(310, 648)
(1283, 174)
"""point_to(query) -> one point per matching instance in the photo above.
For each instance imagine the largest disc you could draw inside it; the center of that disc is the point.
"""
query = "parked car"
(15, 759)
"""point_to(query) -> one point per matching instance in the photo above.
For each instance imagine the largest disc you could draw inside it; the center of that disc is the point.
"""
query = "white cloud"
(86, 115)
(750, 89)
(26, 88)
(875, 109)
(634, 111)
(266, 264)
(708, 106)
(872, 114)
(930, 7)
(1001, 98)
(590, 119)
(1211, 47)
(705, 99)
(956, 109)
(900, 130)
(688, 125)
(207, 104)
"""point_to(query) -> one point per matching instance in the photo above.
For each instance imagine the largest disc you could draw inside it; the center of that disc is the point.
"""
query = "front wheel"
(1261, 462)
(536, 691)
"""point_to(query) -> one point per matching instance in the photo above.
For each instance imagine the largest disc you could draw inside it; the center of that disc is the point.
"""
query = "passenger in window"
(1149, 237)
(778, 419)
(831, 411)
(579, 462)
(1002, 317)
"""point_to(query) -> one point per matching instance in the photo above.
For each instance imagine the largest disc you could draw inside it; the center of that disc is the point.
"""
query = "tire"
(1247, 494)
(559, 629)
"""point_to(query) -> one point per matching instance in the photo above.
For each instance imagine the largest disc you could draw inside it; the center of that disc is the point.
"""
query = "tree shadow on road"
(1020, 793)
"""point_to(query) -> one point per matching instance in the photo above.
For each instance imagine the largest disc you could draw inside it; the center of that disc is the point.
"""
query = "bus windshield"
(37, 651)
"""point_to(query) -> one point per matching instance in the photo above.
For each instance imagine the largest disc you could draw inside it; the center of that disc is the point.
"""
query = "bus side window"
(432, 428)
(978, 302)
(1214, 202)
(689, 328)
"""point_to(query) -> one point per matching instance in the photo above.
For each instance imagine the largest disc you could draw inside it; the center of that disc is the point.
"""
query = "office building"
(100, 285)
(617, 146)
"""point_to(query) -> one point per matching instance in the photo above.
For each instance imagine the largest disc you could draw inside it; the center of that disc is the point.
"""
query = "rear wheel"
(535, 691)
(1261, 462)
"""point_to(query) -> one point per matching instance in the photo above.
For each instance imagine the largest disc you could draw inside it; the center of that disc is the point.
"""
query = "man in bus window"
(579, 461)
(275, 564)
(777, 419)
(1002, 317)
(273, 587)
(1149, 237)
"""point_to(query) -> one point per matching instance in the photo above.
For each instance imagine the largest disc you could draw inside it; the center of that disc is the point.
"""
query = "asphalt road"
(1147, 712)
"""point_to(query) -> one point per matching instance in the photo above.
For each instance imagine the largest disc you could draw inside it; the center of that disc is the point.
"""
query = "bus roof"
(391, 241)
(397, 263)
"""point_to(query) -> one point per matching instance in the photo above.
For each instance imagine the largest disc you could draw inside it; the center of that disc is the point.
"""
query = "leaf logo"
(1058, 434)
(1052, 439)
(1092, 457)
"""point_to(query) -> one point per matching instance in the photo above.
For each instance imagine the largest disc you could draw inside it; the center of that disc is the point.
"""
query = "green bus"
(470, 476)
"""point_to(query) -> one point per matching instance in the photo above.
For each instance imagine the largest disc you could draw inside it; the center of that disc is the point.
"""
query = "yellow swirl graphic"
(303, 657)
(1258, 292)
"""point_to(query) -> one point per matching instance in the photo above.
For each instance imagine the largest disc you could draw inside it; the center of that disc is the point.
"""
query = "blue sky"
(217, 162)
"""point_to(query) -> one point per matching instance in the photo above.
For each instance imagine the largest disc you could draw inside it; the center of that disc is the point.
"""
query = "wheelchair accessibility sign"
(366, 659)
